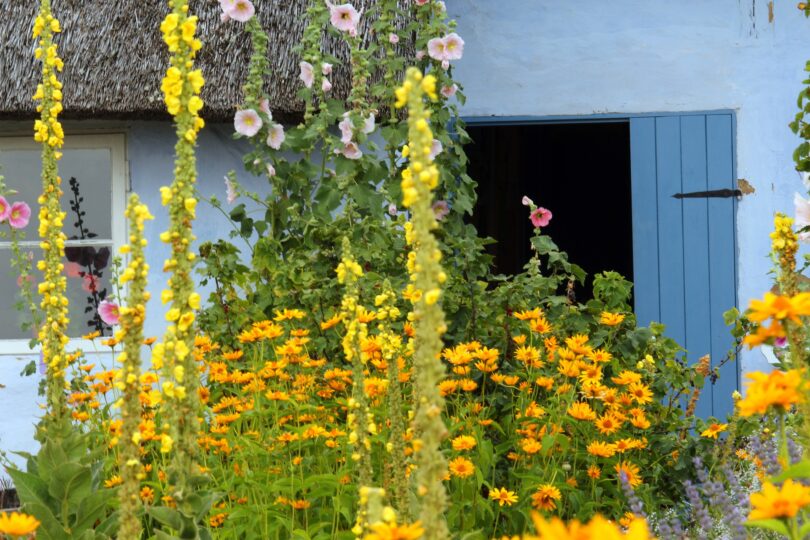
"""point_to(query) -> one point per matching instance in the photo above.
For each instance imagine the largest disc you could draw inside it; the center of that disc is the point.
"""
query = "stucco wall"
(542, 57)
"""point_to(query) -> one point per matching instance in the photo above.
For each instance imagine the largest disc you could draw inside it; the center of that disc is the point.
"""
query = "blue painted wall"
(542, 57)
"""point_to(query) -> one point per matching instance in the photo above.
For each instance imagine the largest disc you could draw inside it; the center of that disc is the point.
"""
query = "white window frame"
(115, 142)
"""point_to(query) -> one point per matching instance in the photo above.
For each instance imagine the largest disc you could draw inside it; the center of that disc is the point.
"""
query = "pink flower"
(351, 151)
(392, 210)
(247, 122)
(230, 191)
(421, 2)
(440, 210)
(540, 217)
(326, 86)
(346, 129)
(802, 219)
(445, 64)
(344, 17)
(368, 124)
(435, 149)
(326, 69)
(276, 137)
(108, 311)
(271, 171)
(240, 10)
(307, 74)
(449, 91)
(264, 106)
(436, 48)
(393, 39)
(526, 201)
(420, 55)
(19, 216)
(453, 47)
(73, 270)
(5, 209)
(22, 281)
(90, 283)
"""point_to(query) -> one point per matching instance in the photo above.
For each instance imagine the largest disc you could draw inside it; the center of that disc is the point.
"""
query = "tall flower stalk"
(426, 275)
(131, 331)
(48, 131)
(181, 87)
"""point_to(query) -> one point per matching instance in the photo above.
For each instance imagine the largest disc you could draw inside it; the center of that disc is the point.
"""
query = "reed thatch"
(115, 59)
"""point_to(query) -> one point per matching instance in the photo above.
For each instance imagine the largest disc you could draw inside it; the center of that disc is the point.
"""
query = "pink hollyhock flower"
(276, 137)
(230, 191)
(241, 10)
(802, 219)
(437, 49)
(393, 39)
(344, 17)
(351, 151)
(28, 279)
(526, 201)
(5, 209)
(392, 210)
(19, 215)
(445, 64)
(326, 69)
(368, 123)
(264, 106)
(346, 129)
(307, 74)
(420, 55)
(540, 217)
(247, 122)
(271, 171)
(108, 311)
(90, 283)
(453, 47)
(421, 2)
(73, 270)
(326, 86)
(449, 91)
(226, 6)
(440, 210)
(435, 149)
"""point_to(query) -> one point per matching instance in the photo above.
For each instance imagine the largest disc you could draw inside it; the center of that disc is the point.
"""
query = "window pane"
(88, 282)
(92, 174)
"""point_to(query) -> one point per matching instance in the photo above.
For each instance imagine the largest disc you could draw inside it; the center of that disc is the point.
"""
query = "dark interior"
(579, 171)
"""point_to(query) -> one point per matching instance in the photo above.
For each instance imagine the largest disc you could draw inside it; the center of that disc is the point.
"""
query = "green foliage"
(61, 485)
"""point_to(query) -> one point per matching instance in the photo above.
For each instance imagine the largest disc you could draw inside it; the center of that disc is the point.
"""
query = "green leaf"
(31, 489)
(770, 524)
(91, 509)
(799, 470)
(166, 516)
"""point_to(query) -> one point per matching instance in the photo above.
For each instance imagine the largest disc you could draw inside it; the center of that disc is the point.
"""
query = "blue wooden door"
(684, 250)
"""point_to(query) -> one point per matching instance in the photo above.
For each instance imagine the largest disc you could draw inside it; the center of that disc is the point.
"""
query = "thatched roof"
(115, 59)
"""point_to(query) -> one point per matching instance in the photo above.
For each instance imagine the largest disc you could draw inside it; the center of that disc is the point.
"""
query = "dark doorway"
(579, 171)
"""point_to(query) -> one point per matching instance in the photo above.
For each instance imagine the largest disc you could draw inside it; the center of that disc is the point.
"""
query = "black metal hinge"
(717, 193)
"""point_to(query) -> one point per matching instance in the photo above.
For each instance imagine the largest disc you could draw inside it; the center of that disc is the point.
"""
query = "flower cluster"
(48, 131)
(426, 276)
(128, 378)
(181, 87)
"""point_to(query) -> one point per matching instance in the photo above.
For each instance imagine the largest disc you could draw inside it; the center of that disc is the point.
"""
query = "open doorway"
(579, 171)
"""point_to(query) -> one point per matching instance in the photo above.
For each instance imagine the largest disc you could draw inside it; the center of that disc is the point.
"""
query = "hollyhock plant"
(19, 215)
(307, 74)
(344, 17)
(526, 201)
(264, 106)
(326, 86)
(109, 312)
(393, 39)
(276, 137)
(247, 122)
(326, 69)
(437, 49)
(435, 149)
(346, 129)
(440, 210)
(5, 209)
(540, 217)
(90, 283)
